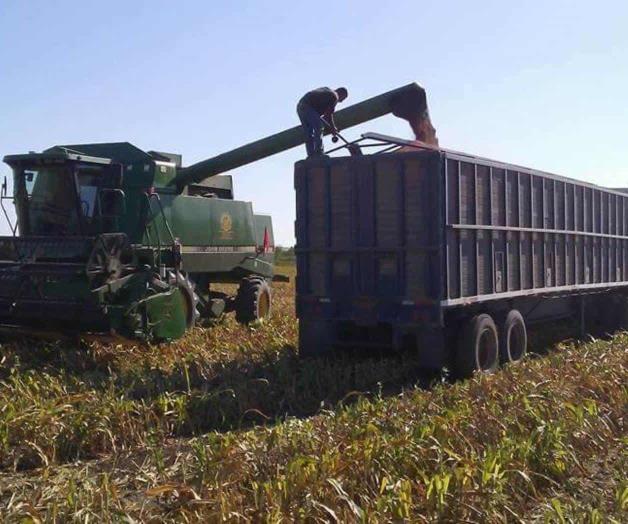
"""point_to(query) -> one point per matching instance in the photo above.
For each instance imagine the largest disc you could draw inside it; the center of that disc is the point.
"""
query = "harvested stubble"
(214, 428)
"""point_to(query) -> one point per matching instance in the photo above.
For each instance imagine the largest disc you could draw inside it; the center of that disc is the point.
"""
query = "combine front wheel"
(190, 299)
(253, 301)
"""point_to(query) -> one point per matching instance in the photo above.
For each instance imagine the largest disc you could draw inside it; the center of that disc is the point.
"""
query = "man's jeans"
(313, 127)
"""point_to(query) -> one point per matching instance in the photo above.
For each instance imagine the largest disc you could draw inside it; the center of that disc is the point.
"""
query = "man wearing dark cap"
(316, 110)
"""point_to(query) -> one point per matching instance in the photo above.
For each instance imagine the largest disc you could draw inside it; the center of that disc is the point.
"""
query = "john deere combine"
(110, 240)
(113, 239)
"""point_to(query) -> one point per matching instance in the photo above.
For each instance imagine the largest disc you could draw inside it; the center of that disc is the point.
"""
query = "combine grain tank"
(451, 254)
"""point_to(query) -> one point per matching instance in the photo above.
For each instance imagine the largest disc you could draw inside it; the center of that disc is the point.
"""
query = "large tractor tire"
(253, 301)
(168, 309)
(513, 338)
(190, 299)
(478, 347)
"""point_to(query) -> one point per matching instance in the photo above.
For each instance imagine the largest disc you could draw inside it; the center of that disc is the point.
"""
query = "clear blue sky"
(543, 84)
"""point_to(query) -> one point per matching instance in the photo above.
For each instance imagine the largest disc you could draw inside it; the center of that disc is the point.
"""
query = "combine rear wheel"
(253, 301)
(513, 338)
(478, 347)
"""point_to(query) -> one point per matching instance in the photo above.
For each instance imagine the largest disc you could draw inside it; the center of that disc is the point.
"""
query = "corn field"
(229, 425)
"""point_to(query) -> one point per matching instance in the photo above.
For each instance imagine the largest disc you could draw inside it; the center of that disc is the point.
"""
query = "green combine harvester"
(114, 240)
(108, 242)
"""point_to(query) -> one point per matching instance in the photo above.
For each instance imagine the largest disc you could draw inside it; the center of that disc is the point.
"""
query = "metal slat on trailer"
(549, 234)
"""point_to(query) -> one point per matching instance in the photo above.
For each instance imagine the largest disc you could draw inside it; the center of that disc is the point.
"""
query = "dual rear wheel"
(483, 344)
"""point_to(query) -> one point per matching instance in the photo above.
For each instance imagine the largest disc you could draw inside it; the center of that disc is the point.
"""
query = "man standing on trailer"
(316, 110)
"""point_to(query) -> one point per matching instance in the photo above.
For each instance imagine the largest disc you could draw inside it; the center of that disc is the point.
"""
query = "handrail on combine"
(151, 223)
(3, 197)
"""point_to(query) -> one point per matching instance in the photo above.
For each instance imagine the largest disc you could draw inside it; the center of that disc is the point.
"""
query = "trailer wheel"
(478, 347)
(253, 300)
(513, 338)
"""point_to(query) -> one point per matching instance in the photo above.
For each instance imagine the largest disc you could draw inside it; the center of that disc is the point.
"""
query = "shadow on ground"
(198, 395)
(225, 394)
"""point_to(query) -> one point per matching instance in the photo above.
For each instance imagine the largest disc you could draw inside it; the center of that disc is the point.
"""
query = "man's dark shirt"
(323, 100)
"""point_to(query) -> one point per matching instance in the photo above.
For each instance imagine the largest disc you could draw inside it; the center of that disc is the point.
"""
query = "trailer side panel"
(397, 250)
(515, 232)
